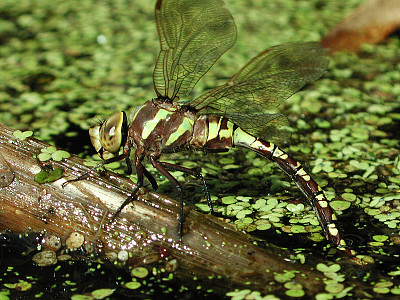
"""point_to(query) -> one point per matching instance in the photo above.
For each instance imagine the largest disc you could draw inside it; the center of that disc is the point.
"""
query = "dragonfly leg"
(105, 162)
(146, 173)
(160, 167)
(128, 165)
(139, 184)
(195, 174)
(150, 177)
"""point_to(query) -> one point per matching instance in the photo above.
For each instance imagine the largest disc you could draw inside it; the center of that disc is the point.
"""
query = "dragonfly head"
(108, 137)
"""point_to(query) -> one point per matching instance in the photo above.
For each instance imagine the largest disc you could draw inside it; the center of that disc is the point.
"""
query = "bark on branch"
(369, 23)
(145, 233)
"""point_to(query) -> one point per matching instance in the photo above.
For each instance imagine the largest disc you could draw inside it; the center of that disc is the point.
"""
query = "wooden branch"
(144, 234)
(369, 23)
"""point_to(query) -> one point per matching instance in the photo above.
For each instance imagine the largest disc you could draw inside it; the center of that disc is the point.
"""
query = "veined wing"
(262, 84)
(271, 127)
(193, 35)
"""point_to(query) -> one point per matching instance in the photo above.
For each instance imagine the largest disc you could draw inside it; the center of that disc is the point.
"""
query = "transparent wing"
(271, 127)
(193, 35)
(261, 85)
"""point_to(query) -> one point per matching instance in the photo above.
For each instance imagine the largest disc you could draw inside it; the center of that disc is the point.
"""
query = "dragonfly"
(240, 113)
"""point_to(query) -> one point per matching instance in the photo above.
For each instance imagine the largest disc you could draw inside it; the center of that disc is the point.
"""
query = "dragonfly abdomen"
(303, 180)
(213, 133)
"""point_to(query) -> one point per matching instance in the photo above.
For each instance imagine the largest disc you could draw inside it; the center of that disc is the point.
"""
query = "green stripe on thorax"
(149, 126)
(186, 125)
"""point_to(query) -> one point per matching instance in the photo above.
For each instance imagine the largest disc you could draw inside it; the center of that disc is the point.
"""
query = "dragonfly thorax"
(160, 127)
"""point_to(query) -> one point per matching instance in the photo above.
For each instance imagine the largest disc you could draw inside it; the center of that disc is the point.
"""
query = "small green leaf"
(298, 229)
(44, 156)
(102, 293)
(229, 200)
(334, 288)
(139, 272)
(295, 207)
(340, 205)
(328, 269)
(22, 135)
(49, 176)
(50, 149)
(349, 196)
(295, 293)
(380, 238)
(59, 155)
(133, 285)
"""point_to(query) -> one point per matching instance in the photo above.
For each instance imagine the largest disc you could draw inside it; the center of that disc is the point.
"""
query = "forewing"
(267, 80)
(193, 35)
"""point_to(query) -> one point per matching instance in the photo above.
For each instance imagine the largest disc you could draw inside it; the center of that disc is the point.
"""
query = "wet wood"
(144, 234)
(369, 23)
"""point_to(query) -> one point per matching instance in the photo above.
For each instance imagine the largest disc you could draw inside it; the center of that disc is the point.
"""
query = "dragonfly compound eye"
(94, 133)
(112, 132)
(108, 137)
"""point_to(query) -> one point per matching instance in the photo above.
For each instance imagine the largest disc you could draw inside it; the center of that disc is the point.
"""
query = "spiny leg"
(128, 165)
(104, 162)
(150, 177)
(195, 174)
(146, 173)
(139, 184)
(159, 166)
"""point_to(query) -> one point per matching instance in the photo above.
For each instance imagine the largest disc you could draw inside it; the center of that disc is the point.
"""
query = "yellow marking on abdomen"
(186, 125)
(284, 156)
(278, 153)
(301, 172)
(304, 174)
(226, 133)
(257, 144)
(242, 137)
(213, 129)
(323, 203)
(332, 229)
(151, 124)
